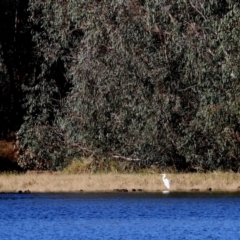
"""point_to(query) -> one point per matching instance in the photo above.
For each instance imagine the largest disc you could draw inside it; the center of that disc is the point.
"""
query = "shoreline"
(58, 182)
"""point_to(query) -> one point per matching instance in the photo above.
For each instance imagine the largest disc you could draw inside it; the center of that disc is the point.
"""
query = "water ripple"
(119, 216)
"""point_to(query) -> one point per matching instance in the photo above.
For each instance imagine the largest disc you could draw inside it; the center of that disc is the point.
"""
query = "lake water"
(120, 216)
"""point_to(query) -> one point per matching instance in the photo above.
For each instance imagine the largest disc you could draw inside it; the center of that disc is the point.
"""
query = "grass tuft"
(91, 165)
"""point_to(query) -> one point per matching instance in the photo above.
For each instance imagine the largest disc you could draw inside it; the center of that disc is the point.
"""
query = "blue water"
(120, 216)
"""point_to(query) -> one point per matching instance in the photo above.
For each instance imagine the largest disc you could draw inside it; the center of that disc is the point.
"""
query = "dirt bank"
(59, 182)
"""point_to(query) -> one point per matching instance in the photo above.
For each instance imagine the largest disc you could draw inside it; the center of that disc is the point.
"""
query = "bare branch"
(126, 158)
(197, 10)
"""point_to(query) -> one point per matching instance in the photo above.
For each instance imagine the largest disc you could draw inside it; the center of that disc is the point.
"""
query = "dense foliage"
(155, 82)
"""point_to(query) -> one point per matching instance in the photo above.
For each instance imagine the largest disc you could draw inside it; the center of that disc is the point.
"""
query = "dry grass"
(91, 176)
(62, 182)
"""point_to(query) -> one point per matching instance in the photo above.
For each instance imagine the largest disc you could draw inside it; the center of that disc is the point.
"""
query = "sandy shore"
(59, 182)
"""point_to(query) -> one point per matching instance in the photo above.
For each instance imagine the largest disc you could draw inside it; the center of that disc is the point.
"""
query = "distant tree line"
(153, 82)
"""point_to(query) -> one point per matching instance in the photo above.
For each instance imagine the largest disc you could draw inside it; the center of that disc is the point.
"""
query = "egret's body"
(166, 182)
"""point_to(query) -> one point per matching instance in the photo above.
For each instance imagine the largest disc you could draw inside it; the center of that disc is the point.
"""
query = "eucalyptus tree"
(149, 81)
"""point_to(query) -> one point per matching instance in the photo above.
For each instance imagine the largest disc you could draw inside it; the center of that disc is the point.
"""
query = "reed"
(88, 182)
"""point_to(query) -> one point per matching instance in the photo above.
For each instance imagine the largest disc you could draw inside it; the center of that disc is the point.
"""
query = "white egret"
(166, 181)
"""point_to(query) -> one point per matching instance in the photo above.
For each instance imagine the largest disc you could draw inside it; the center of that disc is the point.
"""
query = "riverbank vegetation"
(36, 181)
(146, 83)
